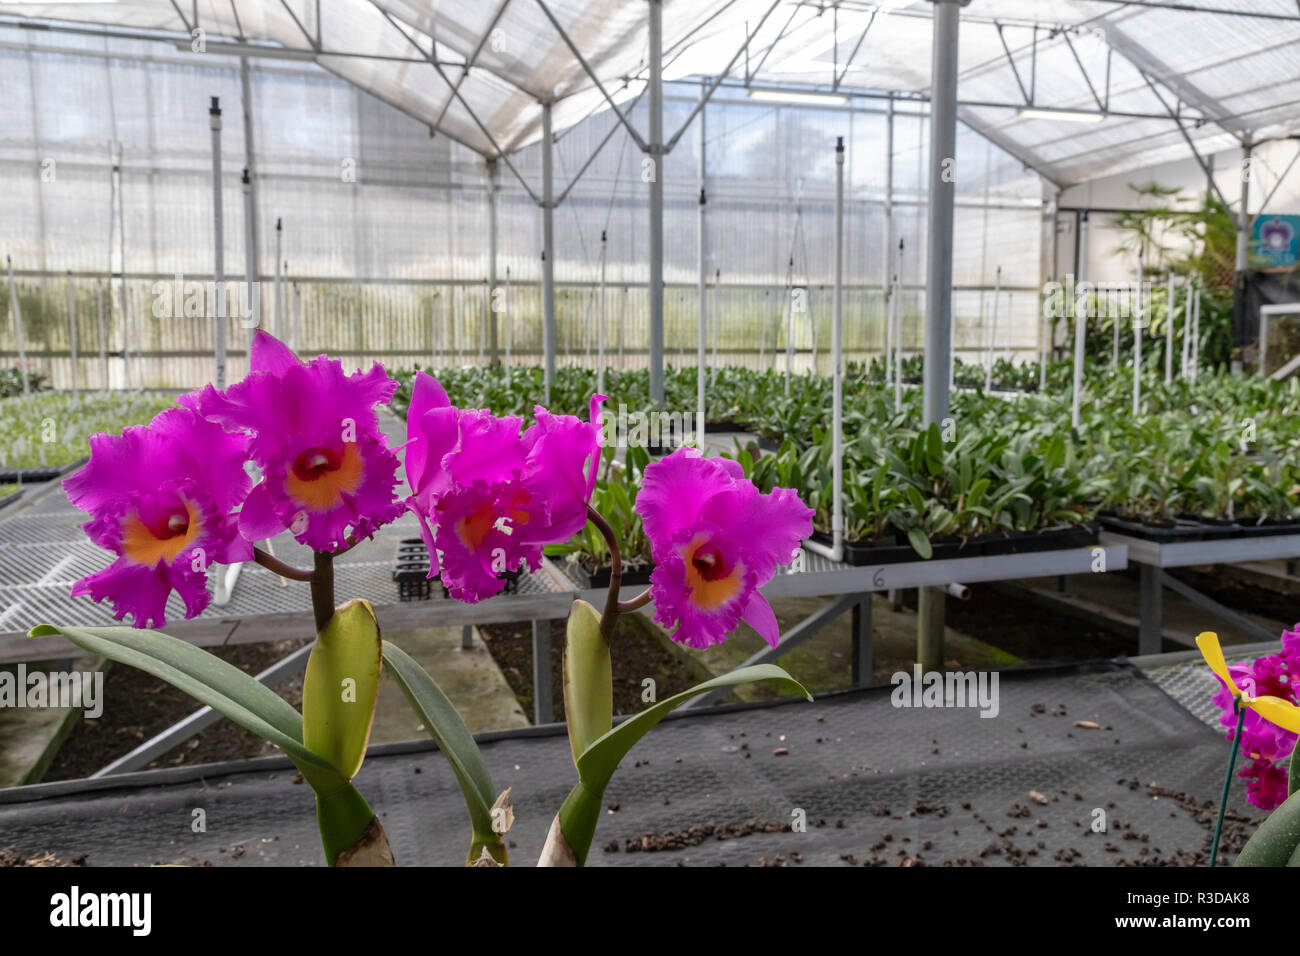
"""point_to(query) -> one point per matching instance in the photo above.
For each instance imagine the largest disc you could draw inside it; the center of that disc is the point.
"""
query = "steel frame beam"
(690, 117)
(1173, 115)
(573, 48)
(469, 63)
(455, 92)
(857, 46)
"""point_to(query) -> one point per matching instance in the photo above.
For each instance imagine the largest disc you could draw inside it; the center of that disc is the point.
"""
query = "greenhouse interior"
(739, 394)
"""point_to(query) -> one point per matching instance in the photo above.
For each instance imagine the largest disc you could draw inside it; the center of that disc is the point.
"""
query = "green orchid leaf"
(340, 687)
(345, 819)
(447, 728)
(1277, 839)
(581, 810)
(588, 679)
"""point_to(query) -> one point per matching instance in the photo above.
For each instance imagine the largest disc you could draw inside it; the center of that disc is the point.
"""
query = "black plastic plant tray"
(724, 425)
(1161, 534)
(863, 554)
(1268, 529)
(11, 498)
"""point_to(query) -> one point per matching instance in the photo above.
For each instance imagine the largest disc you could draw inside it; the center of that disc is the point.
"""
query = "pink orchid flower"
(488, 498)
(161, 497)
(715, 540)
(1265, 745)
(328, 473)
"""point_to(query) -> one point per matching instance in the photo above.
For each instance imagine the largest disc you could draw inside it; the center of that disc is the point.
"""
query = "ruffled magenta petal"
(560, 471)
(759, 615)
(269, 354)
(258, 519)
(136, 590)
(673, 492)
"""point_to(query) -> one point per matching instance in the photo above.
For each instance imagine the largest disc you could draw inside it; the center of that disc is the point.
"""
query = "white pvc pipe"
(600, 329)
(99, 322)
(1139, 317)
(836, 551)
(1187, 325)
(896, 301)
(1196, 337)
(701, 250)
(297, 318)
(714, 319)
(72, 330)
(509, 329)
(18, 325)
(278, 317)
(889, 236)
(218, 247)
(993, 331)
(1080, 321)
(254, 319)
(483, 321)
(789, 324)
(1169, 330)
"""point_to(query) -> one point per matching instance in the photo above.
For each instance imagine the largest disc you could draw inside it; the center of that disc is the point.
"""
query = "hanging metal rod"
(478, 48)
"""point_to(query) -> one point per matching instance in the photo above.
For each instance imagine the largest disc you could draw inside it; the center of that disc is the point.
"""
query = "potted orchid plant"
(171, 498)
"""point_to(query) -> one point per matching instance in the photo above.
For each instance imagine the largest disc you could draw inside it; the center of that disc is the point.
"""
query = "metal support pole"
(127, 377)
(702, 291)
(1169, 330)
(509, 329)
(99, 322)
(493, 331)
(218, 244)
(72, 330)
(656, 251)
(542, 706)
(896, 317)
(789, 324)
(600, 329)
(886, 278)
(297, 318)
(1196, 337)
(252, 234)
(938, 292)
(1139, 318)
(467, 637)
(278, 316)
(993, 332)
(863, 664)
(1243, 244)
(1152, 625)
(17, 313)
(253, 299)
(1187, 325)
(1080, 306)
(548, 252)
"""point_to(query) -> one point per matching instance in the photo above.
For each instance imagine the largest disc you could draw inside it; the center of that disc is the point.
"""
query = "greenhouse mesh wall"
(385, 241)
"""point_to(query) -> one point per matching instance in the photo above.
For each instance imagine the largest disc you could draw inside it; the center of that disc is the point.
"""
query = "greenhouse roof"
(1076, 89)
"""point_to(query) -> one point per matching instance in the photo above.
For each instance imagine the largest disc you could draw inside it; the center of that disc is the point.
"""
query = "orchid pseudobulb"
(487, 497)
(715, 540)
(328, 473)
(161, 498)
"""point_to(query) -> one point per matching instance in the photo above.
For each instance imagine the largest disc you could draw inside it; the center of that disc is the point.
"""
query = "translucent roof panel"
(479, 71)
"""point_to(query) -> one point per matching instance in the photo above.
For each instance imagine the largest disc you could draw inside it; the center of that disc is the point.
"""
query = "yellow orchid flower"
(1275, 710)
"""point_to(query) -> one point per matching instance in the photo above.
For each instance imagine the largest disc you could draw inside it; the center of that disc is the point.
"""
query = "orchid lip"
(312, 463)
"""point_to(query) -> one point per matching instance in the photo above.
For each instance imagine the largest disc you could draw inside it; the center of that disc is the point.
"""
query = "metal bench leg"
(862, 660)
(542, 705)
(467, 637)
(1151, 630)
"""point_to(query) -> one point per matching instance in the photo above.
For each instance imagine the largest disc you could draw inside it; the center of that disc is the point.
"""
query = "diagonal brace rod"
(595, 79)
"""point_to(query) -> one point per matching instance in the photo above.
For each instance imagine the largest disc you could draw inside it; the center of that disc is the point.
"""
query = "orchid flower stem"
(322, 589)
(612, 608)
(1227, 778)
(274, 564)
(640, 601)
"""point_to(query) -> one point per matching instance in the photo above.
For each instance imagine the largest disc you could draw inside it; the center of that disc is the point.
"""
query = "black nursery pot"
(600, 577)
(1268, 529)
